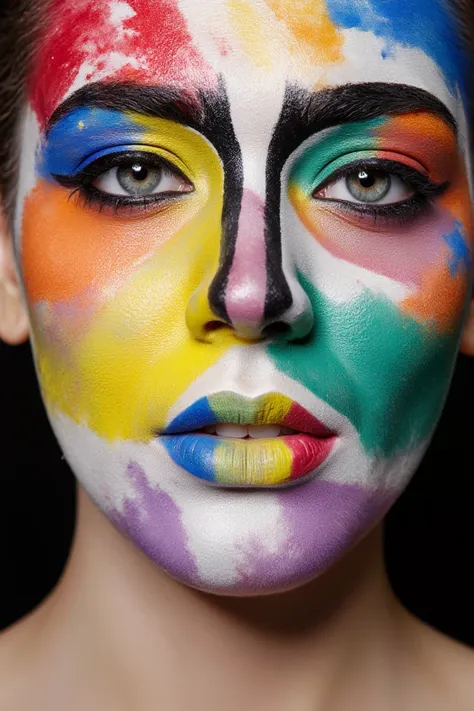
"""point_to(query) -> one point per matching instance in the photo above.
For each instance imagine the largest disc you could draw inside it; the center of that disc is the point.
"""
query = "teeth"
(238, 431)
(252, 431)
(263, 431)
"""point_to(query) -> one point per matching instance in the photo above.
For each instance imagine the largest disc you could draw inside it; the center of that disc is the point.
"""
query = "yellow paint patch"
(250, 27)
(123, 370)
(259, 463)
(274, 409)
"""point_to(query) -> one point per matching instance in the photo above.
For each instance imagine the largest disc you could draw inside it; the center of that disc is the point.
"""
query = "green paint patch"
(340, 145)
(225, 407)
(383, 371)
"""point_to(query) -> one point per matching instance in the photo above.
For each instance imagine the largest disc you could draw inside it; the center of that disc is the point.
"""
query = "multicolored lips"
(248, 462)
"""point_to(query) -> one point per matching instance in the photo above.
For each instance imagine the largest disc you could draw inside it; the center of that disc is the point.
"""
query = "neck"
(140, 633)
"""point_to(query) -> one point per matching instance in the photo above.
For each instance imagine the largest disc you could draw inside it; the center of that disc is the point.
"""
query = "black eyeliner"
(413, 177)
(399, 213)
(89, 196)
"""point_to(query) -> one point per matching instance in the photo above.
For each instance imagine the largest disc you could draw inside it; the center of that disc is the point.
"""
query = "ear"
(467, 342)
(13, 314)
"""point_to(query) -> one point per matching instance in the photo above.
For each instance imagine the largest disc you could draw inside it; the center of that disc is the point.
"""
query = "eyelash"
(90, 197)
(396, 213)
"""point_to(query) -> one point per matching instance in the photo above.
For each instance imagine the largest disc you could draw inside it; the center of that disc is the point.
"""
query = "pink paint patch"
(402, 253)
(247, 284)
(137, 40)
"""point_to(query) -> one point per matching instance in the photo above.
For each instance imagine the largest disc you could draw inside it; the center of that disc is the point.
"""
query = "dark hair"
(20, 27)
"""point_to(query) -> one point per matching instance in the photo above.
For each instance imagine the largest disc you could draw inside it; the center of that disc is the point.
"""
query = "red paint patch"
(308, 453)
(155, 39)
(300, 419)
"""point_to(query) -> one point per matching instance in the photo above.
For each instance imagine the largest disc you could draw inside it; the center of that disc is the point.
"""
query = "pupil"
(139, 172)
(366, 179)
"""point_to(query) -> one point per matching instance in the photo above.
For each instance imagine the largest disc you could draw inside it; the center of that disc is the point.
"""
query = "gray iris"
(368, 185)
(139, 180)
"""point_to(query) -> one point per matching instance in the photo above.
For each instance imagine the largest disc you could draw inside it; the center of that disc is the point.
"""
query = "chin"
(235, 541)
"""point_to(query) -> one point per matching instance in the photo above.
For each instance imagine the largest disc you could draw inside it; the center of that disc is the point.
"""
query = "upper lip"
(232, 408)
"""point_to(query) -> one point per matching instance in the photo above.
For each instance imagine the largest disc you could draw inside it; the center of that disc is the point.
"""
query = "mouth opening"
(233, 431)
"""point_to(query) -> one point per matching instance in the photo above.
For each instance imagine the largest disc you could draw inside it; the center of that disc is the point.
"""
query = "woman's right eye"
(140, 179)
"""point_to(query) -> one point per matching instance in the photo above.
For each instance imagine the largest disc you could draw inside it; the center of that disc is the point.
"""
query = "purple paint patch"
(153, 522)
(324, 521)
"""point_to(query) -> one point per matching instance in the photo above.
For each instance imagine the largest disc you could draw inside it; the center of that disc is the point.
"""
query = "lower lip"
(248, 462)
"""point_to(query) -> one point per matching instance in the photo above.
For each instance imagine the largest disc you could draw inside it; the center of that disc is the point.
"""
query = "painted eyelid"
(171, 160)
(355, 160)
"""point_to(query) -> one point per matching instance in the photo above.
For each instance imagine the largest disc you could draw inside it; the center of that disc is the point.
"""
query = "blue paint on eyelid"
(426, 24)
(83, 133)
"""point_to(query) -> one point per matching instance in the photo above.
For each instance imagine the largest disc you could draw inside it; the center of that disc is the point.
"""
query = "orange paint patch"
(69, 250)
(311, 27)
(440, 299)
(425, 137)
(456, 200)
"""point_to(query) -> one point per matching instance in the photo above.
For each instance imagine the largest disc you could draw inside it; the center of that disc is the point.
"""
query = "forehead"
(256, 46)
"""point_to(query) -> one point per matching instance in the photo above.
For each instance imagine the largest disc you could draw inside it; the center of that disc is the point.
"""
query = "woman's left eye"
(367, 186)
(139, 179)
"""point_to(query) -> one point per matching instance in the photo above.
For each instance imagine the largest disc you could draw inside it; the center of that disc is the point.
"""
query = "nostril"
(211, 326)
(278, 328)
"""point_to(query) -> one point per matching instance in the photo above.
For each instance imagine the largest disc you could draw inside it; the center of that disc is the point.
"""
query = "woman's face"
(244, 232)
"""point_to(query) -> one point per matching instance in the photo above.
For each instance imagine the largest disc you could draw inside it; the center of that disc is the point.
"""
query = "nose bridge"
(246, 288)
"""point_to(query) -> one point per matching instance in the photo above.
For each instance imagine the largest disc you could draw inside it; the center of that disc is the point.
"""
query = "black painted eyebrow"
(155, 101)
(364, 101)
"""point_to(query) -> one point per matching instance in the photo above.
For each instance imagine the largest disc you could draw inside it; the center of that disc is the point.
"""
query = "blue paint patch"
(426, 24)
(194, 453)
(460, 258)
(193, 418)
(83, 136)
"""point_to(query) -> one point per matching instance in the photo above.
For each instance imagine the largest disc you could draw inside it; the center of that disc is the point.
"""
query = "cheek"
(384, 355)
(73, 254)
(384, 371)
(108, 299)
(431, 258)
(400, 253)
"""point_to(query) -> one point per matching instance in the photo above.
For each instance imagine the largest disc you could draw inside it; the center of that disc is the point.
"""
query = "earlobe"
(467, 342)
(13, 313)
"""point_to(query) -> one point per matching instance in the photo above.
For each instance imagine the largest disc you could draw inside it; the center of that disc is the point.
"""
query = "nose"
(250, 292)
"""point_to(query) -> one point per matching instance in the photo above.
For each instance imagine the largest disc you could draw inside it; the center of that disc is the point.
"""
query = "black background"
(429, 533)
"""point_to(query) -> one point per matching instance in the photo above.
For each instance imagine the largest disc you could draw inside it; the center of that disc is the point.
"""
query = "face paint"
(247, 253)
(261, 462)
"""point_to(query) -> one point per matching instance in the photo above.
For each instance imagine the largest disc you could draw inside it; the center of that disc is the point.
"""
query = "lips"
(250, 462)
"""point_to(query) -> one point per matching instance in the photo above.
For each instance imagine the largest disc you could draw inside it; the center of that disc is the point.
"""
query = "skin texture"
(250, 291)
(249, 298)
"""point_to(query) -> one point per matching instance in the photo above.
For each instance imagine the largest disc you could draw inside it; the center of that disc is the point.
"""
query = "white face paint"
(231, 255)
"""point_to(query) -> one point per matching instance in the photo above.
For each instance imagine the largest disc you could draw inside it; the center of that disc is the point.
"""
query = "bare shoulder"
(16, 649)
(444, 667)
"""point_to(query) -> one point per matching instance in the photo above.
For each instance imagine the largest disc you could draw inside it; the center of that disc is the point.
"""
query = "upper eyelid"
(141, 148)
(387, 166)
(427, 187)
(79, 177)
